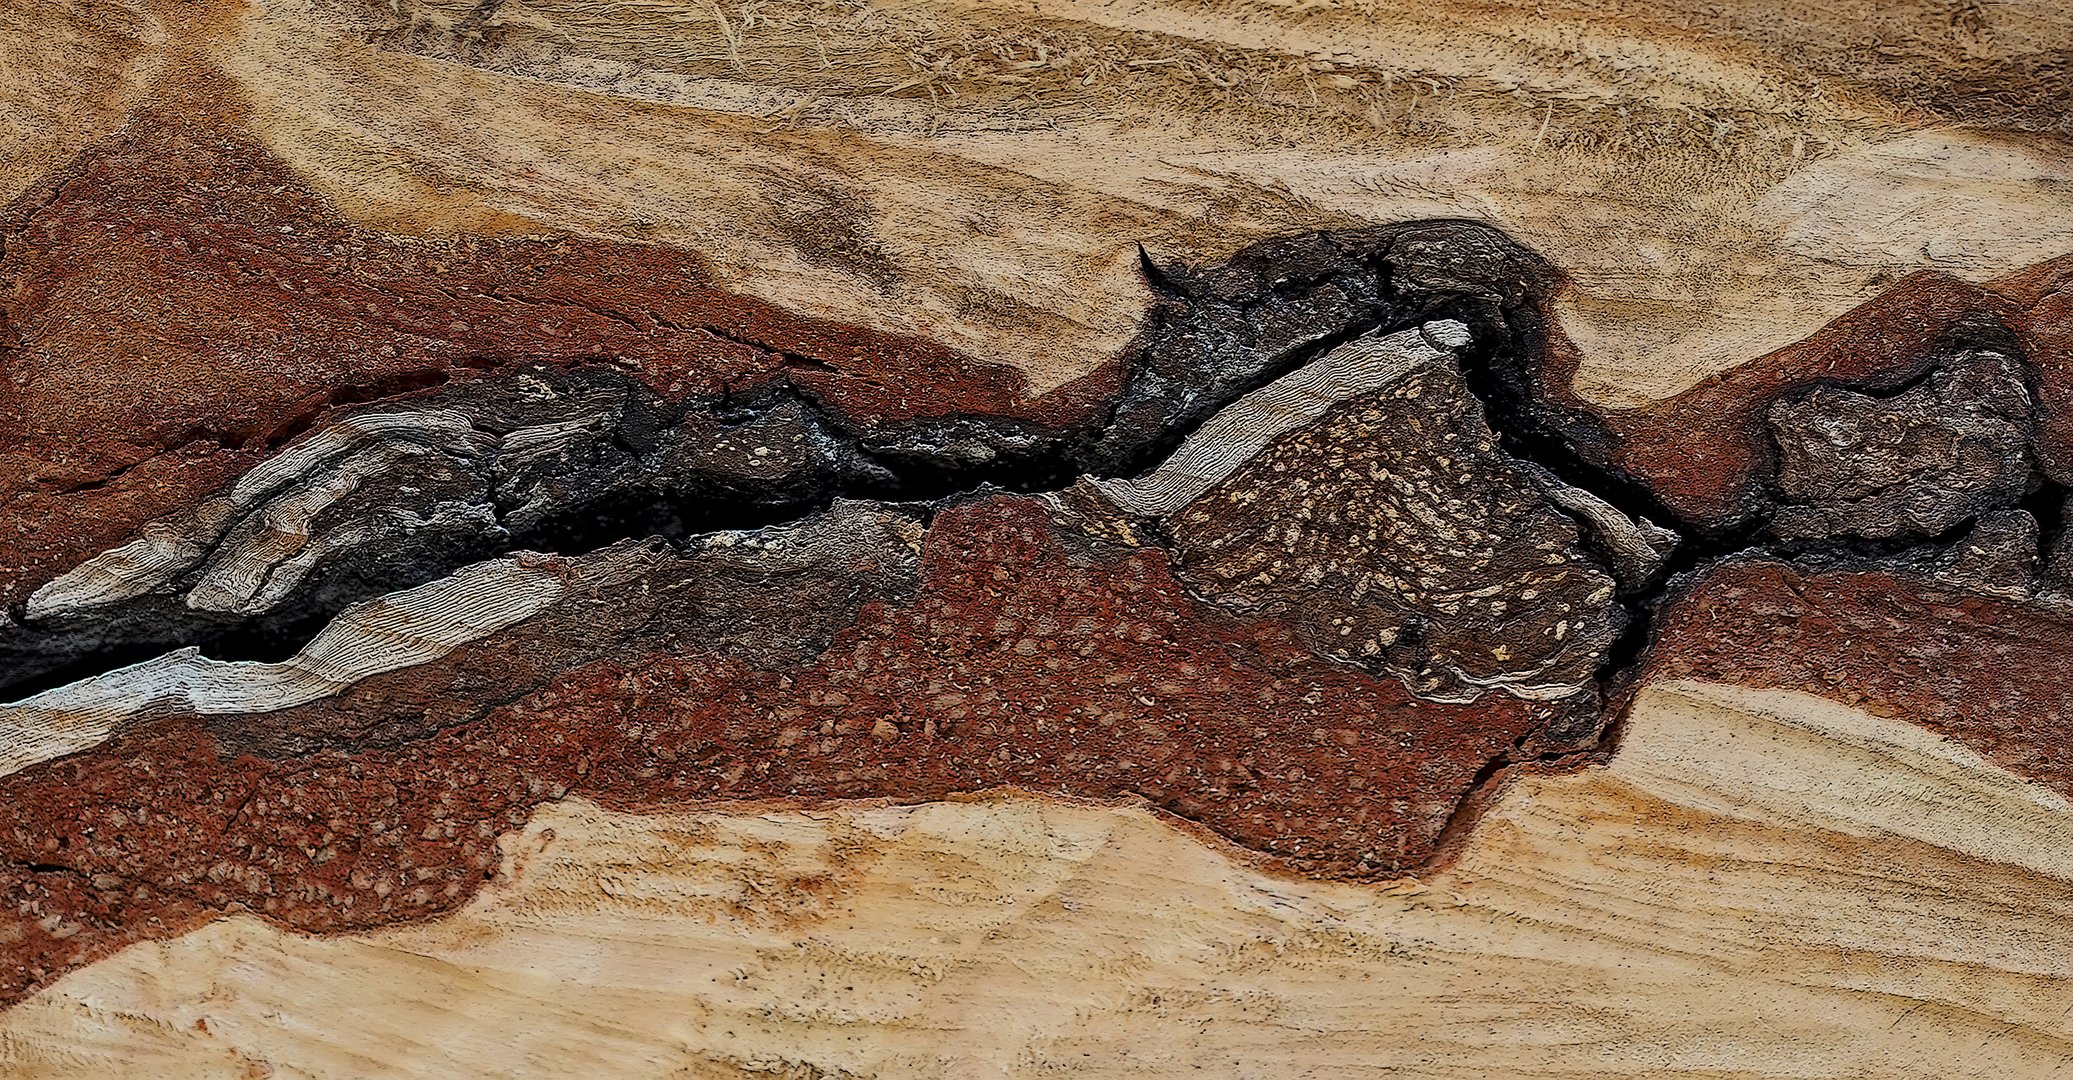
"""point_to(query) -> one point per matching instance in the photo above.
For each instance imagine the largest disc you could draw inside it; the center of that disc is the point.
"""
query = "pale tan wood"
(1715, 195)
(1761, 884)
(69, 72)
(1718, 182)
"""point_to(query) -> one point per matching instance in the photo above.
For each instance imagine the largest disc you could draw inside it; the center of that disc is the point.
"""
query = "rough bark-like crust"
(1912, 464)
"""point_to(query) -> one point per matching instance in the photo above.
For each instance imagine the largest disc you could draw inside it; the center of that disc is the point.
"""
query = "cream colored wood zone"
(981, 172)
(1761, 884)
(1718, 180)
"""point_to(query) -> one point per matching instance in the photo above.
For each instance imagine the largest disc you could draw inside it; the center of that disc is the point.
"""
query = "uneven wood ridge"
(1151, 410)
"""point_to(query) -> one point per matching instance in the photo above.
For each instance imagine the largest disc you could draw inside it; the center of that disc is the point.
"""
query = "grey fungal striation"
(375, 479)
(396, 631)
(771, 596)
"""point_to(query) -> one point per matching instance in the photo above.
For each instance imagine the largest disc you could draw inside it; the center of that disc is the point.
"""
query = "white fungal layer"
(1242, 429)
(255, 545)
(163, 552)
(1638, 547)
(395, 631)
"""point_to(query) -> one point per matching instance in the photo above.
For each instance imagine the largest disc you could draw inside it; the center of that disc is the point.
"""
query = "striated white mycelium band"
(1242, 429)
(1636, 547)
(257, 540)
(394, 631)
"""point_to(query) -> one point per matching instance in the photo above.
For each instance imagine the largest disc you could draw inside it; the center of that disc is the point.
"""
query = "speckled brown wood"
(1337, 660)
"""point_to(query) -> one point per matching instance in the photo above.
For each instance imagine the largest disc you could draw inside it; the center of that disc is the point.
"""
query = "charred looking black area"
(620, 463)
(649, 468)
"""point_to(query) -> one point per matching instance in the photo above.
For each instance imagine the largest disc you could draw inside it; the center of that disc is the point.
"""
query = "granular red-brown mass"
(178, 304)
(1024, 659)
(1989, 673)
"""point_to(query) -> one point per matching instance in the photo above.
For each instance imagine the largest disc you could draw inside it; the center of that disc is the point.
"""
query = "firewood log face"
(1352, 549)
(422, 421)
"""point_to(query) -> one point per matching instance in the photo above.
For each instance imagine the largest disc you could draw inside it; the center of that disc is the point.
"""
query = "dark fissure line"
(2046, 502)
(928, 462)
(1201, 351)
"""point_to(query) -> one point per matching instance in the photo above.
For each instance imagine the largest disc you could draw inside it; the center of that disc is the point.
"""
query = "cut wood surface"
(1717, 181)
(1717, 187)
(953, 538)
(1760, 884)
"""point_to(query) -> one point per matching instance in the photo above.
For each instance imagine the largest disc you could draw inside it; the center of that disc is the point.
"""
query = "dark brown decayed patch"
(1024, 659)
(1912, 463)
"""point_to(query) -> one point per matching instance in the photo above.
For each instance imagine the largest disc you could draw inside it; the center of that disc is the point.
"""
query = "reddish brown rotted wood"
(1023, 661)
(1988, 672)
(178, 303)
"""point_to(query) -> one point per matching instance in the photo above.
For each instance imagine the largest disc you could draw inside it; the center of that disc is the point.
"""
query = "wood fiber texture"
(952, 539)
